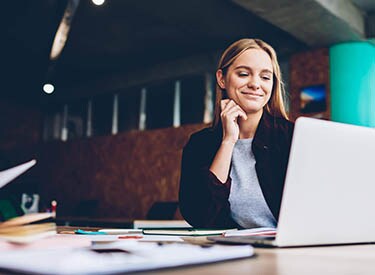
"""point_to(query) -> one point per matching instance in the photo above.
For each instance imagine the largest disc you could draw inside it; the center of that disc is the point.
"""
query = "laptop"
(329, 192)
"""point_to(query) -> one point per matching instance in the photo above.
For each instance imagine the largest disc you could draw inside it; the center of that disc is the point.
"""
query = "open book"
(24, 229)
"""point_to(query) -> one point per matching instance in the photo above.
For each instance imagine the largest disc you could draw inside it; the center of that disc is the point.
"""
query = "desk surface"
(355, 259)
(341, 259)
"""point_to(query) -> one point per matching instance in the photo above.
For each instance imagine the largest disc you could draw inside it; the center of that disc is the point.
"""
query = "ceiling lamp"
(98, 2)
(48, 88)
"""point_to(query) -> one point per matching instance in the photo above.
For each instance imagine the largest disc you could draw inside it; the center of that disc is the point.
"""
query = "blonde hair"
(275, 106)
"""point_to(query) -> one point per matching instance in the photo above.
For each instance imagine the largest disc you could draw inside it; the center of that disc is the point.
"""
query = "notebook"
(186, 232)
(329, 192)
(28, 228)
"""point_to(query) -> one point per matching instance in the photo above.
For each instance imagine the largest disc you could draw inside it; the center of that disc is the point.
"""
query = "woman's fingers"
(227, 103)
(224, 103)
(230, 108)
(230, 113)
(235, 113)
(242, 113)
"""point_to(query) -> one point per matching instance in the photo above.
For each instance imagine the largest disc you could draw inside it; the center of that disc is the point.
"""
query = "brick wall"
(118, 176)
(308, 69)
(20, 126)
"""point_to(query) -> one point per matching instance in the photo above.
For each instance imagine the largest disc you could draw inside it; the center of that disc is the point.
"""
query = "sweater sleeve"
(203, 199)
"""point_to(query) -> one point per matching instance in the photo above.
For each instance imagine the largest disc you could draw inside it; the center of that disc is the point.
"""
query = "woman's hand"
(230, 113)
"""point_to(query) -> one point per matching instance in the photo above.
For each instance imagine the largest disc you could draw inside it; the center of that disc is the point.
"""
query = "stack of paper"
(142, 224)
(187, 232)
(261, 231)
(119, 257)
(24, 229)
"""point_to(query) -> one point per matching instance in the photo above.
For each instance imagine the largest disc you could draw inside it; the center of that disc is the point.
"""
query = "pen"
(129, 237)
(84, 232)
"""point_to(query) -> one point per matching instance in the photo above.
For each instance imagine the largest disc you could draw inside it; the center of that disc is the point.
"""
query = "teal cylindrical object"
(352, 83)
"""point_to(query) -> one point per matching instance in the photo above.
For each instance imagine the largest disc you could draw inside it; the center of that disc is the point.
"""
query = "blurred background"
(105, 94)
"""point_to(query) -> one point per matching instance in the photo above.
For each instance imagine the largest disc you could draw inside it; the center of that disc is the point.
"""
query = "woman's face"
(249, 80)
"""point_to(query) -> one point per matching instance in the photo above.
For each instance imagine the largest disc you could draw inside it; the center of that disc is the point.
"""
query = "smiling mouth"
(252, 94)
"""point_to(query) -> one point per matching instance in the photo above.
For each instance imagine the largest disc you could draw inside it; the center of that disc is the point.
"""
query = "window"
(52, 123)
(159, 105)
(128, 109)
(77, 119)
(170, 103)
(102, 108)
(192, 99)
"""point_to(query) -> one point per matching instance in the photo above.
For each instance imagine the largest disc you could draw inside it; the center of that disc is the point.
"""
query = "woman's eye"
(266, 77)
(243, 74)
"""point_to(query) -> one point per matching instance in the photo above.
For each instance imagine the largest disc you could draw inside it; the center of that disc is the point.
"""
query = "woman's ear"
(220, 79)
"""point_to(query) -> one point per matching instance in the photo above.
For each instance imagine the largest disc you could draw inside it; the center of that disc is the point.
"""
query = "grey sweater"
(247, 204)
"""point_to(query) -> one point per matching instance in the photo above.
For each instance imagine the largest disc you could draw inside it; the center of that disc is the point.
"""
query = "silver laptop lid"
(329, 193)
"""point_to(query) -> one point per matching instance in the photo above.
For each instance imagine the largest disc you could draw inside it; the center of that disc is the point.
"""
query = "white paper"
(132, 237)
(131, 257)
(121, 231)
(160, 224)
(27, 239)
(252, 232)
(161, 238)
(12, 173)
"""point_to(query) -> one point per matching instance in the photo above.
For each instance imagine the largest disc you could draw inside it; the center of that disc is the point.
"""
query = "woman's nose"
(253, 83)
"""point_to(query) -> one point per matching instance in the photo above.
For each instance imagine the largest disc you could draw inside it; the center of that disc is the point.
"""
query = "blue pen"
(84, 232)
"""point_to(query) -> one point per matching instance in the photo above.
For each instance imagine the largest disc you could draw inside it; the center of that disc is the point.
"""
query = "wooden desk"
(355, 259)
(340, 260)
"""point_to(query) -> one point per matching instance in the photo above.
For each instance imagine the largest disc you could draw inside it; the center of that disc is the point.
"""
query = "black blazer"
(203, 199)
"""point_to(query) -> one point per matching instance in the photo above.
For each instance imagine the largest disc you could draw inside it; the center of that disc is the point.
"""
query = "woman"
(233, 173)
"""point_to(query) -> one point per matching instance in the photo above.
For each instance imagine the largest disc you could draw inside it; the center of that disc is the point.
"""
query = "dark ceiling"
(118, 37)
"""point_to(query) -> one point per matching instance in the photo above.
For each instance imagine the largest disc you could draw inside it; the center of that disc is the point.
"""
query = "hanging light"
(98, 2)
(63, 29)
(48, 88)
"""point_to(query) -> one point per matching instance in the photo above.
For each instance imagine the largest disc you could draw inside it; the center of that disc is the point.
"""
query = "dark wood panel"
(20, 126)
(113, 176)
